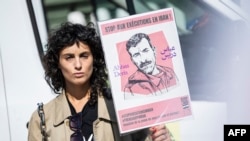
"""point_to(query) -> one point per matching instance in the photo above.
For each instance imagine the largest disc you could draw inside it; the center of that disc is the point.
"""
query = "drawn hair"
(135, 39)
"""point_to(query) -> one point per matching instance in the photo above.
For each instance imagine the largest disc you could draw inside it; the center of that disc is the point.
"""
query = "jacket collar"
(61, 108)
(105, 109)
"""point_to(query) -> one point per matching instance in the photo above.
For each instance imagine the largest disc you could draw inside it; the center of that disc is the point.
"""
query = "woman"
(83, 110)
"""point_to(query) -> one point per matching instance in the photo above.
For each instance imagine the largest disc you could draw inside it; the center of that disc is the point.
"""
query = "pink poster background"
(158, 40)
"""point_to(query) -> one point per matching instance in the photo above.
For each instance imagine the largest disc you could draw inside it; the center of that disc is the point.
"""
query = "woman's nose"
(78, 63)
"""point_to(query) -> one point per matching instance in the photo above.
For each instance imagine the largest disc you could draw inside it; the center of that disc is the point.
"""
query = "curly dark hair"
(67, 35)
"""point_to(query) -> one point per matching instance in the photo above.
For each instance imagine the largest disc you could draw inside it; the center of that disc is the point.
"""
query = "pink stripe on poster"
(137, 22)
(154, 113)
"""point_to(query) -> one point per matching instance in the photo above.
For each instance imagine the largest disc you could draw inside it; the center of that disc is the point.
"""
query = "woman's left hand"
(160, 133)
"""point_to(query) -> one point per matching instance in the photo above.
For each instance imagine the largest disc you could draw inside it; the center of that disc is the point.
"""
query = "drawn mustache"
(145, 63)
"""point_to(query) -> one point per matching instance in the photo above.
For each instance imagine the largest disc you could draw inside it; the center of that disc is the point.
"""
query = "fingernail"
(154, 130)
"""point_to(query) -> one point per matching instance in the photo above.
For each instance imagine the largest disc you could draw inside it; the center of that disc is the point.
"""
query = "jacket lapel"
(62, 109)
(106, 109)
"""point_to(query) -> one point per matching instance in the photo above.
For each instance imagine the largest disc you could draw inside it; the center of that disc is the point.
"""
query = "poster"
(146, 69)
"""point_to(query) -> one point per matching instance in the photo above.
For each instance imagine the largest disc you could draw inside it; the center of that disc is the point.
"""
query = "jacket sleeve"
(34, 131)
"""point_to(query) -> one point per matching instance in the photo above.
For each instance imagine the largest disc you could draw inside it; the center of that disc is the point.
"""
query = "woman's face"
(76, 64)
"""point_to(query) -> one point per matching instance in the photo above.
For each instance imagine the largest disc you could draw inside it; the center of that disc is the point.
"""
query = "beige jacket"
(57, 125)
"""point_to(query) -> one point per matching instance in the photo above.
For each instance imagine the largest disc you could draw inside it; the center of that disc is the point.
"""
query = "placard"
(146, 69)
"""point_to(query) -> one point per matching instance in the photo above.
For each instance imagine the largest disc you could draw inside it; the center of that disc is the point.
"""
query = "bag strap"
(42, 123)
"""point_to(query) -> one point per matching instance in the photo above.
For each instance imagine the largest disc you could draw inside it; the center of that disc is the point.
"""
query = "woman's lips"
(79, 74)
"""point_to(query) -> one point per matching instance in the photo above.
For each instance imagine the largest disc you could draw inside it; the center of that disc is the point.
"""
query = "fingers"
(160, 133)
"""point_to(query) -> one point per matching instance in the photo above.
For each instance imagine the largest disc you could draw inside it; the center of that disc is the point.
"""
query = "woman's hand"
(160, 133)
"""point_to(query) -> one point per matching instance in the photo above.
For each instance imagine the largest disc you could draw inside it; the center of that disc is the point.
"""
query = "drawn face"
(143, 56)
(76, 64)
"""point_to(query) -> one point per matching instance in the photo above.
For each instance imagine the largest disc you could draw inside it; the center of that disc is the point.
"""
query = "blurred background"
(214, 37)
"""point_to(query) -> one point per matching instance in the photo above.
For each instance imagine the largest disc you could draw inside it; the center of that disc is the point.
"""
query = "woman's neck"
(78, 97)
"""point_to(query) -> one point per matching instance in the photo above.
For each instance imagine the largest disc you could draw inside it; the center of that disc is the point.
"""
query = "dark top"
(89, 115)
